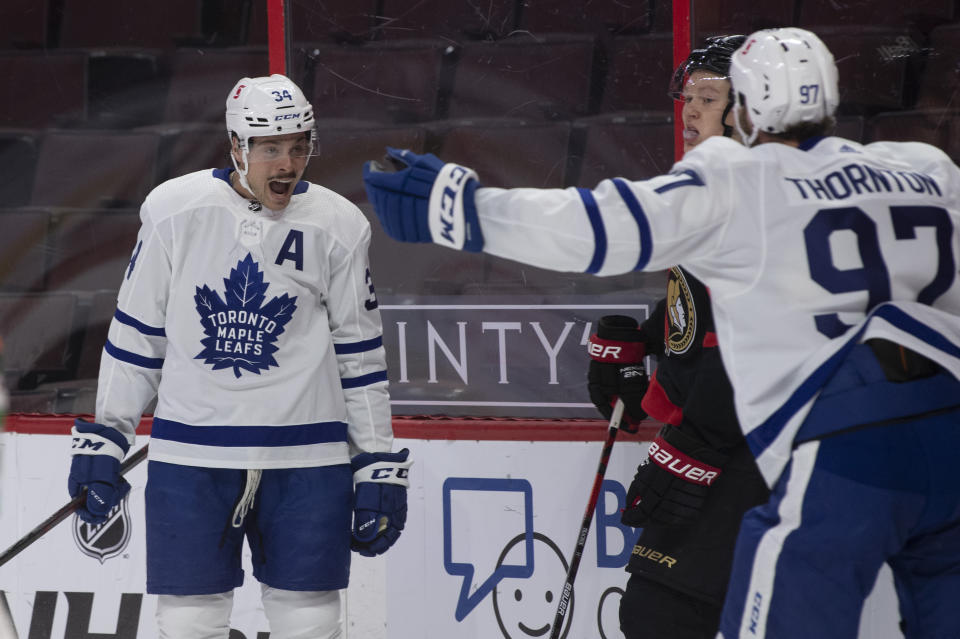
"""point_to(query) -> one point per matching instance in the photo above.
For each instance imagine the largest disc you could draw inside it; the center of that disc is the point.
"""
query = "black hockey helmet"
(714, 57)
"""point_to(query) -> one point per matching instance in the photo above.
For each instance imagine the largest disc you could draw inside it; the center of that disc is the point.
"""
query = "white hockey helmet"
(786, 76)
(264, 106)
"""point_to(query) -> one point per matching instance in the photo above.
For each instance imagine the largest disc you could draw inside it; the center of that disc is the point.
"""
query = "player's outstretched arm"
(418, 198)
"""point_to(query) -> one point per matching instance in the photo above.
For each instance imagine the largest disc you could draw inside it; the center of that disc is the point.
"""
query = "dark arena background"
(105, 99)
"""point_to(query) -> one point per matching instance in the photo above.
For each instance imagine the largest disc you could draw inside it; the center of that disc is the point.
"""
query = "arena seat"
(404, 271)
(200, 80)
(125, 88)
(727, 17)
(25, 24)
(920, 13)
(90, 250)
(635, 146)
(613, 16)
(124, 171)
(381, 82)
(508, 153)
(639, 74)
(23, 249)
(939, 127)
(344, 145)
(117, 23)
(940, 81)
(40, 103)
(851, 127)
(524, 77)
(186, 148)
(452, 20)
(312, 21)
(18, 157)
(37, 331)
(878, 66)
(100, 313)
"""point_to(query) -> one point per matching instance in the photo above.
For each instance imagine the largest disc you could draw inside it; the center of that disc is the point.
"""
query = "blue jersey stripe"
(259, 436)
(132, 322)
(358, 347)
(132, 358)
(643, 226)
(363, 380)
(599, 234)
(762, 436)
(691, 179)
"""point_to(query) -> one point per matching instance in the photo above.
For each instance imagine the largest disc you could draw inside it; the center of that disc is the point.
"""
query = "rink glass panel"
(107, 99)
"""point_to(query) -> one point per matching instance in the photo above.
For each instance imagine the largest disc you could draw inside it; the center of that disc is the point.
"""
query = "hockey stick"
(564, 604)
(65, 511)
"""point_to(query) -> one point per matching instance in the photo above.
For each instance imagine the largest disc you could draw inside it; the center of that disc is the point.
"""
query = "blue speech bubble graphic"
(466, 602)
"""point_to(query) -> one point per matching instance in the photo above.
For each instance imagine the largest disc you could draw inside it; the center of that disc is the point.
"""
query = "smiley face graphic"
(526, 607)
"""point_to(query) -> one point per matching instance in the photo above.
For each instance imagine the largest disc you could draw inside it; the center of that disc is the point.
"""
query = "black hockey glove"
(670, 487)
(616, 369)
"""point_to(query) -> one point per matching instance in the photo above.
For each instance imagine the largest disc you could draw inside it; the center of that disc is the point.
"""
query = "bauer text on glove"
(616, 368)
(670, 487)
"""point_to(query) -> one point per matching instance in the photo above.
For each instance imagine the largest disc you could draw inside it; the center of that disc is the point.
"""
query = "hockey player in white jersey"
(248, 310)
(832, 268)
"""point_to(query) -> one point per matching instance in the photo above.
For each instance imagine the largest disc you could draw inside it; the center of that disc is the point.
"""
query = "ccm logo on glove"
(386, 472)
(681, 465)
(446, 214)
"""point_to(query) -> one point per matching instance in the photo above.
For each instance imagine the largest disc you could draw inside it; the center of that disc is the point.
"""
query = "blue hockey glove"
(97, 451)
(418, 198)
(380, 509)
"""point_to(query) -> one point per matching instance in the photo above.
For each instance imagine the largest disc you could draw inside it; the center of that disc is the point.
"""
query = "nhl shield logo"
(108, 539)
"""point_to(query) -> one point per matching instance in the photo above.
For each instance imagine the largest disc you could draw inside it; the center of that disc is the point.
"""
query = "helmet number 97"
(280, 96)
(809, 93)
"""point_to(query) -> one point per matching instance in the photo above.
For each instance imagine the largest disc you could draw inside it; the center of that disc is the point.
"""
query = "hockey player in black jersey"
(681, 563)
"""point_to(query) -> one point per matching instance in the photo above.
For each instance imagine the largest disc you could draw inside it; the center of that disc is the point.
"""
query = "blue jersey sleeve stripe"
(599, 234)
(643, 226)
(256, 436)
(363, 380)
(358, 347)
(691, 179)
(146, 329)
(132, 358)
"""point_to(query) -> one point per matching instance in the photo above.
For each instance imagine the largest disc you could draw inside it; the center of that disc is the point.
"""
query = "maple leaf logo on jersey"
(241, 330)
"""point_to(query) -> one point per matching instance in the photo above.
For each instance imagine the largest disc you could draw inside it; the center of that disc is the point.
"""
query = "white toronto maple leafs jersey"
(806, 252)
(258, 333)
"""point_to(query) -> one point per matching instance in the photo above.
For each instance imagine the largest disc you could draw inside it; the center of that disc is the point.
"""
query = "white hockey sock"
(194, 616)
(297, 614)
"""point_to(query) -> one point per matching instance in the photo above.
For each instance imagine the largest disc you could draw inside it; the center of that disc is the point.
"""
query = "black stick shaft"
(65, 511)
(564, 605)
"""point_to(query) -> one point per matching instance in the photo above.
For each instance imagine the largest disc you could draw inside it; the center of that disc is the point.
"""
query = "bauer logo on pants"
(108, 539)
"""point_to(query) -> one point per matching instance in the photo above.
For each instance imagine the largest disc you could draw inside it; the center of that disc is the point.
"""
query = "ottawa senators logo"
(681, 320)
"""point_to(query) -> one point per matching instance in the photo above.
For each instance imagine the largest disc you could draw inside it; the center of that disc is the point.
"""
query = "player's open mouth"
(280, 187)
(690, 133)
